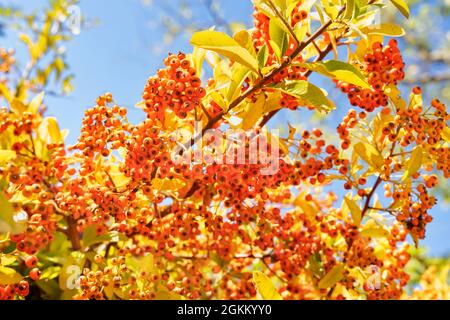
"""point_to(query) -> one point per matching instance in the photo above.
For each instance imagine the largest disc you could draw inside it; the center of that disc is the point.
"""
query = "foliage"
(121, 215)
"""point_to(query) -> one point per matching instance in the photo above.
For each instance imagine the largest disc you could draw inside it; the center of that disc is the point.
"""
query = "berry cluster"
(383, 66)
(177, 87)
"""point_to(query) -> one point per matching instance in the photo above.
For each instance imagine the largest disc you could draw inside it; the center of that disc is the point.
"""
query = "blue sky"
(118, 56)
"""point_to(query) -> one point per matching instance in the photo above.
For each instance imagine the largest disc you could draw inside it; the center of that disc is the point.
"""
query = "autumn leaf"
(332, 277)
(387, 29)
(265, 286)
(402, 7)
(354, 210)
(223, 44)
(307, 93)
(414, 162)
(339, 70)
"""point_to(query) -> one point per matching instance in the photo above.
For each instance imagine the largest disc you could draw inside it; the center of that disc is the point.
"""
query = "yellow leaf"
(34, 52)
(332, 277)
(7, 155)
(17, 106)
(369, 154)
(387, 29)
(394, 94)
(265, 286)
(167, 184)
(9, 276)
(4, 91)
(307, 94)
(402, 7)
(445, 134)
(223, 44)
(339, 70)
(34, 105)
(354, 210)
(8, 218)
(414, 163)
(50, 128)
(376, 232)
(252, 112)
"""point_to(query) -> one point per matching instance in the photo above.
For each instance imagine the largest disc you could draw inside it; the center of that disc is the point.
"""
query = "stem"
(72, 233)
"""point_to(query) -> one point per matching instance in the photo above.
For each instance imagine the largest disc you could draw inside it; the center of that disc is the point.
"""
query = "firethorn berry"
(35, 274)
(31, 261)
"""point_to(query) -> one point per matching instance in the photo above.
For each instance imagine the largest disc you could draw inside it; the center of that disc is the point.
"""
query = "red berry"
(35, 274)
(31, 261)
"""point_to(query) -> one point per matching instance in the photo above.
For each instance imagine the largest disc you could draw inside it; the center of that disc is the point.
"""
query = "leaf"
(223, 44)
(355, 210)
(263, 55)
(307, 93)
(245, 40)
(445, 134)
(265, 286)
(6, 260)
(50, 128)
(369, 154)
(402, 7)
(332, 277)
(9, 276)
(8, 222)
(253, 112)
(387, 29)
(238, 76)
(167, 184)
(278, 37)
(414, 163)
(36, 103)
(7, 155)
(50, 273)
(339, 70)
(349, 9)
(91, 237)
(4, 91)
(34, 53)
(379, 232)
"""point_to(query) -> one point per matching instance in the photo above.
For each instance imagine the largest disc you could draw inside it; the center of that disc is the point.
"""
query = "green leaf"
(307, 93)
(7, 155)
(265, 286)
(223, 44)
(349, 9)
(263, 55)
(332, 277)
(9, 276)
(402, 7)
(387, 29)
(414, 162)
(355, 210)
(238, 75)
(278, 37)
(339, 70)
(50, 273)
